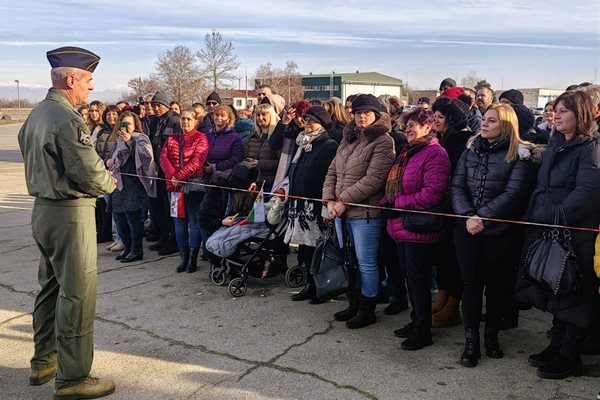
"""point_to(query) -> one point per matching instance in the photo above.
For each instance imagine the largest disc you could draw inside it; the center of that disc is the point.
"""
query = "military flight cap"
(74, 57)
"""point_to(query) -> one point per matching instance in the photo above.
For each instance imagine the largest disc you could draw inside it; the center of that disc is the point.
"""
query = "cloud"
(507, 44)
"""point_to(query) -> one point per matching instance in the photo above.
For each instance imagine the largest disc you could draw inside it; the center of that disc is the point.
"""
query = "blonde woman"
(339, 119)
(257, 151)
(494, 179)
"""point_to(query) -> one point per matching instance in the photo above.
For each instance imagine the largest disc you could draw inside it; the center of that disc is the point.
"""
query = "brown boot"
(441, 298)
(448, 316)
(89, 388)
(40, 376)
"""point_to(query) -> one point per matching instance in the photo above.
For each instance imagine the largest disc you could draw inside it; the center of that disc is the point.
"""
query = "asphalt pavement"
(163, 335)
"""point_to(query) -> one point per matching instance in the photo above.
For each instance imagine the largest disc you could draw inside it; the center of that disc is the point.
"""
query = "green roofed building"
(324, 86)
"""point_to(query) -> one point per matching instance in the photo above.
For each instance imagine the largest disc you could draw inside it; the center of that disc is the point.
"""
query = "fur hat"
(161, 98)
(214, 96)
(513, 95)
(447, 83)
(454, 110)
(320, 115)
(525, 117)
(366, 102)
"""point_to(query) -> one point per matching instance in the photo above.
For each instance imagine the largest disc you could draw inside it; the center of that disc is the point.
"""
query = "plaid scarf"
(397, 171)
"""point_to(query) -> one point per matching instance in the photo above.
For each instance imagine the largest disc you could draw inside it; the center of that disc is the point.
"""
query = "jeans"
(193, 238)
(131, 226)
(365, 236)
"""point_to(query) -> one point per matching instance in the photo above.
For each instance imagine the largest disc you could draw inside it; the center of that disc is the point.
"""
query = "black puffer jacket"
(569, 176)
(484, 184)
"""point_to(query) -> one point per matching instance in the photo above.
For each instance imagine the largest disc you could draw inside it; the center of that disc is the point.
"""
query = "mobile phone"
(124, 125)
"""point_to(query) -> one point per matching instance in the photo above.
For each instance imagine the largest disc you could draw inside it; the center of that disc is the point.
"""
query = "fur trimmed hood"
(378, 128)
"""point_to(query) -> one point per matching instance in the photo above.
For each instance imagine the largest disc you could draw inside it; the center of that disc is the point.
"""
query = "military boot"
(89, 388)
(472, 350)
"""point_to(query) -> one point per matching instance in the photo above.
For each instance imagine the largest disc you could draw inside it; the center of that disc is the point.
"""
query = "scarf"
(304, 141)
(397, 172)
(144, 161)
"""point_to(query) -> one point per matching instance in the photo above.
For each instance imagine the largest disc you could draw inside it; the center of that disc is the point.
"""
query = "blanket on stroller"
(225, 241)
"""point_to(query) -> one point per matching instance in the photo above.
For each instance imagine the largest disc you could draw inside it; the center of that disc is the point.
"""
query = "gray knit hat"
(161, 98)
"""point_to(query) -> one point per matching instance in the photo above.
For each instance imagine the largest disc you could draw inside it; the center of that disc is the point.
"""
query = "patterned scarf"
(397, 171)
(304, 141)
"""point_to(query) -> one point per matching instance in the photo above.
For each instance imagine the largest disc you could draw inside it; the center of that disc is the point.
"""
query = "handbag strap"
(180, 151)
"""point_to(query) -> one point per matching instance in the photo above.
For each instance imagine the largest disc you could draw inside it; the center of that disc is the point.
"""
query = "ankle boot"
(158, 245)
(441, 298)
(543, 358)
(447, 316)
(365, 315)
(193, 266)
(184, 253)
(170, 247)
(307, 292)
(492, 346)
(396, 306)
(350, 312)
(472, 351)
(561, 367)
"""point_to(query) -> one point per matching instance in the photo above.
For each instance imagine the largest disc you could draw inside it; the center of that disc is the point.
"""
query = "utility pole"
(246, 72)
(18, 95)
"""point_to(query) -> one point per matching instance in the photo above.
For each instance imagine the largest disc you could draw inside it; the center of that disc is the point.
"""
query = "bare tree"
(179, 75)
(141, 87)
(286, 82)
(217, 59)
(470, 80)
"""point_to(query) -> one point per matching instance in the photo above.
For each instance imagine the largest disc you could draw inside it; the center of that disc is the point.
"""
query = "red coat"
(195, 150)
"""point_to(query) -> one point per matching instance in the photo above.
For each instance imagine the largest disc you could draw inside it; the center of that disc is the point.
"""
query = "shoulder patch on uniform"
(84, 137)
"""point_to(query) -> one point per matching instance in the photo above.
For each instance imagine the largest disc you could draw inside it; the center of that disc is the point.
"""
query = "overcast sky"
(511, 43)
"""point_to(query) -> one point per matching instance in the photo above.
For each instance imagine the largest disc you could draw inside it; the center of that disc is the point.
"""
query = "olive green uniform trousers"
(65, 308)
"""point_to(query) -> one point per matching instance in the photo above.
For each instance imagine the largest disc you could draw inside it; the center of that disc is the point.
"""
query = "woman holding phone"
(132, 155)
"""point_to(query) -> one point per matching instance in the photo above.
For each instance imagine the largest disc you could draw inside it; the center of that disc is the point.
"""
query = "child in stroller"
(236, 248)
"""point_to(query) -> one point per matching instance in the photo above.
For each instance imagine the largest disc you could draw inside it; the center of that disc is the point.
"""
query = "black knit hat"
(525, 117)
(320, 115)
(161, 98)
(454, 110)
(242, 175)
(515, 96)
(214, 96)
(447, 83)
(366, 102)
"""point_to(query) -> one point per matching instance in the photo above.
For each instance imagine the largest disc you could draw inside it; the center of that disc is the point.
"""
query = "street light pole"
(18, 95)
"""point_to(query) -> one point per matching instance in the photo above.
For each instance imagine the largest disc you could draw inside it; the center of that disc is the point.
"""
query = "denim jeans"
(193, 238)
(131, 226)
(365, 236)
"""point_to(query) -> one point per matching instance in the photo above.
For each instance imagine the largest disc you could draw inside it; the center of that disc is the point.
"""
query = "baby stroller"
(244, 250)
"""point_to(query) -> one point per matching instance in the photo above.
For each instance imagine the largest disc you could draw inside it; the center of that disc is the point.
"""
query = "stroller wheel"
(237, 287)
(295, 276)
(218, 277)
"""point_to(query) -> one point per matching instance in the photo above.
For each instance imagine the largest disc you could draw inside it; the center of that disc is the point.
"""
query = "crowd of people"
(463, 153)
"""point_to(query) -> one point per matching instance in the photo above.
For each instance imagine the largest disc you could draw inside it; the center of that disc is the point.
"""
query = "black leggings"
(483, 263)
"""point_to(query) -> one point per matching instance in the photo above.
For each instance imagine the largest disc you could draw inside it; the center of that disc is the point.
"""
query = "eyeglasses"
(211, 103)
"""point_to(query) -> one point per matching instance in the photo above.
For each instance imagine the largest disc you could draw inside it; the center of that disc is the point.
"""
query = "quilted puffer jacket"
(484, 184)
(195, 150)
(360, 168)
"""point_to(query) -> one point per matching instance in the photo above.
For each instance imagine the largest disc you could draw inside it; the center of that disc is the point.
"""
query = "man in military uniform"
(65, 175)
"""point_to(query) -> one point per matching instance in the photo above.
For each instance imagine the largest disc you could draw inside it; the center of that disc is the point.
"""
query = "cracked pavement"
(163, 335)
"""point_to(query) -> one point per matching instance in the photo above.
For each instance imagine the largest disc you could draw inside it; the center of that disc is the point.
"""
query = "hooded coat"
(360, 168)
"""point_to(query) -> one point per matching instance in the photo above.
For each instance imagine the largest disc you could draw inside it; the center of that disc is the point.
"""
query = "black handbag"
(550, 262)
(424, 223)
(192, 184)
(330, 265)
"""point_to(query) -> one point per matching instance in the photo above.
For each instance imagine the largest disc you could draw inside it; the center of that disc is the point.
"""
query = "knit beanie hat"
(525, 117)
(320, 115)
(366, 102)
(515, 96)
(447, 83)
(161, 98)
(214, 96)
(242, 175)
(454, 110)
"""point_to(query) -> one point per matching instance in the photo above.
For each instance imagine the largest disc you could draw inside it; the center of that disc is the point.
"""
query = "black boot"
(561, 367)
(158, 245)
(184, 253)
(492, 347)
(308, 292)
(472, 352)
(396, 306)
(348, 313)
(365, 315)
(193, 266)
